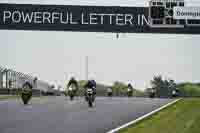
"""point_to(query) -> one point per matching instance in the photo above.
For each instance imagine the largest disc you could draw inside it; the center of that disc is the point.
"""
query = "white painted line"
(142, 117)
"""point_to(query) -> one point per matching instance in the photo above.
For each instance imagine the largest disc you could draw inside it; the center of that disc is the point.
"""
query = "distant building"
(13, 80)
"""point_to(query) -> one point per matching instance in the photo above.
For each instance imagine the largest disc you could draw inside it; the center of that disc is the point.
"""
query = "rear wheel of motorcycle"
(90, 103)
(71, 98)
(93, 98)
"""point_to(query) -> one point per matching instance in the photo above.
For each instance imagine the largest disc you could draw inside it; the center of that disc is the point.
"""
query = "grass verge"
(5, 97)
(181, 117)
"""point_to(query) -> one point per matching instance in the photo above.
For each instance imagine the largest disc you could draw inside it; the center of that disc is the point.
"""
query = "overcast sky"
(133, 57)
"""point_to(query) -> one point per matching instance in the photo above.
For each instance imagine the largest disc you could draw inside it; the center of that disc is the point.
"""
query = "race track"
(60, 115)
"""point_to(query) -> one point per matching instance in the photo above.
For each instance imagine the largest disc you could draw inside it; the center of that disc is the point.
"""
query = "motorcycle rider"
(130, 90)
(152, 93)
(92, 85)
(73, 82)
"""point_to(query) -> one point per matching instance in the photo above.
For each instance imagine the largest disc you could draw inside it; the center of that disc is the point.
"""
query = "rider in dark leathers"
(92, 85)
(130, 88)
(73, 81)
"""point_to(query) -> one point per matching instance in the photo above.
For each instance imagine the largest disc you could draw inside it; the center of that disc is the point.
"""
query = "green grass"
(6, 97)
(191, 90)
(181, 117)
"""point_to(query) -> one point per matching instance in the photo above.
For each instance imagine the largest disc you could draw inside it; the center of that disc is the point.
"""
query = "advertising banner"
(152, 19)
(189, 13)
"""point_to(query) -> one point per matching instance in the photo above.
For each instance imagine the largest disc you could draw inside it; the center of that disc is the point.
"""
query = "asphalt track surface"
(60, 115)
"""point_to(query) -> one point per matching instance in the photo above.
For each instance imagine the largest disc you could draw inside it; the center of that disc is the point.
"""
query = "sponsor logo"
(188, 13)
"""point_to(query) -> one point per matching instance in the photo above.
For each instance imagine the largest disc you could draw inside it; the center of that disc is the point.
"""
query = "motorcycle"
(71, 93)
(174, 93)
(152, 93)
(90, 97)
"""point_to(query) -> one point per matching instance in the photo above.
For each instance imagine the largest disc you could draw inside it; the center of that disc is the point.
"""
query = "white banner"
(186, 13)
